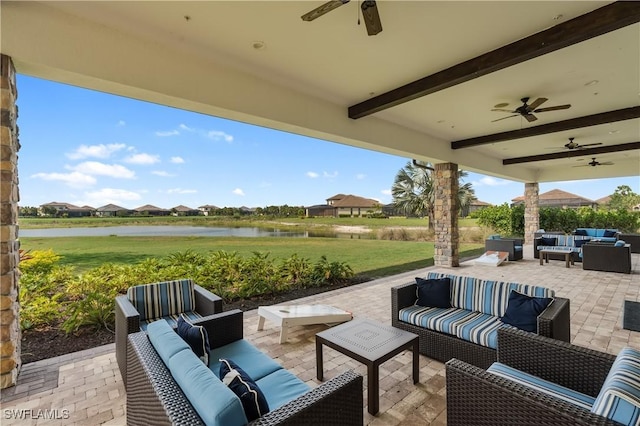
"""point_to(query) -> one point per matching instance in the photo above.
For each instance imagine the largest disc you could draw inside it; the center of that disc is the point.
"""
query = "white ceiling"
(309, 73)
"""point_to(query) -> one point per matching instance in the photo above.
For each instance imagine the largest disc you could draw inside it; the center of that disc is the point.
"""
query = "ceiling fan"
(574, 146)
(369, 13)
(594, 163)
(527, 111)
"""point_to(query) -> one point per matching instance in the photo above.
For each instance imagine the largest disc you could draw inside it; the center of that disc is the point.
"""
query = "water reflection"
(184, 231)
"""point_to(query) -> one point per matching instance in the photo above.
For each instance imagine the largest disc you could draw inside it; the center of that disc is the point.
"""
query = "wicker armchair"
(606, 257)
(475, 396)
(513, 246)
(154, 397)
(128, 319)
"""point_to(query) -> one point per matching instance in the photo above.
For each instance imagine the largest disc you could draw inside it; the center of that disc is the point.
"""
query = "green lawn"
(373, 258)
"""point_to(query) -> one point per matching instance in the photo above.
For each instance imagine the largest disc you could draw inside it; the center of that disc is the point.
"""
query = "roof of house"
(182, 208)
(67, 206)
(479, 203)
(149, 207)
(336, 197)
(110, 208)
(558, 195)
(209, 207)
(355, 201)
(604, 200)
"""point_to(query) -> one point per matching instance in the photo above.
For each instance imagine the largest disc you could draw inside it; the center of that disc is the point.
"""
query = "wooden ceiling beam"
(573, 153)
(558, 126)
(595, 23)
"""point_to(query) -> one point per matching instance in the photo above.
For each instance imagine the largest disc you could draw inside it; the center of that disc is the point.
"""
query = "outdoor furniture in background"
(370, 343)
(162, 300)
(633, 240)
(567, 252)
(292, 315)
(476, 396)
(559, 241)
(606, 257)
(513, 246)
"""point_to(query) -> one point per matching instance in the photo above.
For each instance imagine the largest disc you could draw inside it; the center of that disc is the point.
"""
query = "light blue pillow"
(619, 243)
(619, 398)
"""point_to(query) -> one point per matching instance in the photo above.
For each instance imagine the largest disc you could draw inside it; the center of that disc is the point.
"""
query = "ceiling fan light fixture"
(592, 83)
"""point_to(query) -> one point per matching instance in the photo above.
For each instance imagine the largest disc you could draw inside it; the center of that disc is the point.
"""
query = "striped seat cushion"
(541, 385)
(486, 296)
(171, 319)
(444, 320)
(163, 299)
(619, 398)
(481, 329)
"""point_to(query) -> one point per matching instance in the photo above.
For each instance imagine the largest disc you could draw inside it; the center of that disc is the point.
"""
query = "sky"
(90, 148)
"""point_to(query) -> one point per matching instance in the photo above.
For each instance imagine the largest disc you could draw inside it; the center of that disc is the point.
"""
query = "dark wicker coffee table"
(371, 343)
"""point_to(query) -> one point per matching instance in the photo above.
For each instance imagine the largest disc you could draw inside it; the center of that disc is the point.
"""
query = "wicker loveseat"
(468, 330)
(162, 300)
(571, 385)
(188, 392)
(607, 257)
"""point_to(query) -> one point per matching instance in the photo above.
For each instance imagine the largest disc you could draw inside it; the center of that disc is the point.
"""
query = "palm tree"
(413, 191)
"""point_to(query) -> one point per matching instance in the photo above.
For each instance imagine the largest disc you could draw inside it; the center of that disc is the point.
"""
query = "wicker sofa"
(607, 257)
(157, 393)
(478, 396)
(489, 298)
(148, 302)
(558, 240)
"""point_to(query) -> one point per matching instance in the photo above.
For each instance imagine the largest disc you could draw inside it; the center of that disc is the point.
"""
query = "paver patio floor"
(85, 388)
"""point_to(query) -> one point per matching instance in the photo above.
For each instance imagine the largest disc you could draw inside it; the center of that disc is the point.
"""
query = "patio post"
(446, 215)
(9, 244)
(531, 211)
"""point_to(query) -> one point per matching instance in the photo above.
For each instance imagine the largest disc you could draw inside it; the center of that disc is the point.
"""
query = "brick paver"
(85, 388)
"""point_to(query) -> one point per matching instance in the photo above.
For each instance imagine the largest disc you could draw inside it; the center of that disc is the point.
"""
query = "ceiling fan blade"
(321, 10)
(606, 163)
(535, 104)
(371, 17)
(590, 144)
(530, 117)
(504, 110)
(553, 108)
(504, 118)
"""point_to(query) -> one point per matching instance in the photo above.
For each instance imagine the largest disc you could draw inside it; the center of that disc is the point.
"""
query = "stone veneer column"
(9, 244)
(446, 215)
(531, 211)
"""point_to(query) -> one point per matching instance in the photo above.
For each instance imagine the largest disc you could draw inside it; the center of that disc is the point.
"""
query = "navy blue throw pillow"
(196, 336)
(582, 232)
(434, 293)
(580, 243)
(609, 233)
(522, 311)
(544, 241)
(253, 400)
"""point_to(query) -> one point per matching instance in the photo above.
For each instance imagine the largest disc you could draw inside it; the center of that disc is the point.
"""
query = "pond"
(183, 231)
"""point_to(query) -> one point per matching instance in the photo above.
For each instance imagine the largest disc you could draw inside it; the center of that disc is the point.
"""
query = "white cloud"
(95, 151)
(238, 191)
(101, 169)
(329, 175)
(186, 128)
(491, 181)
(312, 175)
(162, 173)
(142, 159)
(177, 160)
(164, 134)
(110, 196)
(386, 192)
(73, 179)
(181, 191)
(218, 135)
(361, 176)
(121, 123)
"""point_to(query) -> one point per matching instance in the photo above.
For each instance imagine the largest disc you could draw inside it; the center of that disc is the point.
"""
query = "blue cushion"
(619, 397)
(253, 361)
(253, 400)
(281, 387)
(165, 341)
(494, 237)
(214, 402)
(482, 330)
(546, 241)
(437, 319)
(196, 337)
(162, 299)
(435, 293)
(619, 243)
(580, 232)
(609, 233)
(580, 243)
(523, 311)
(171, 319)
(541, 385)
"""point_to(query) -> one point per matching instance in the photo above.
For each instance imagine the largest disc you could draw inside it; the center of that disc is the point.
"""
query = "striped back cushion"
(162, 299)
(619, 398)
(486, 296)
